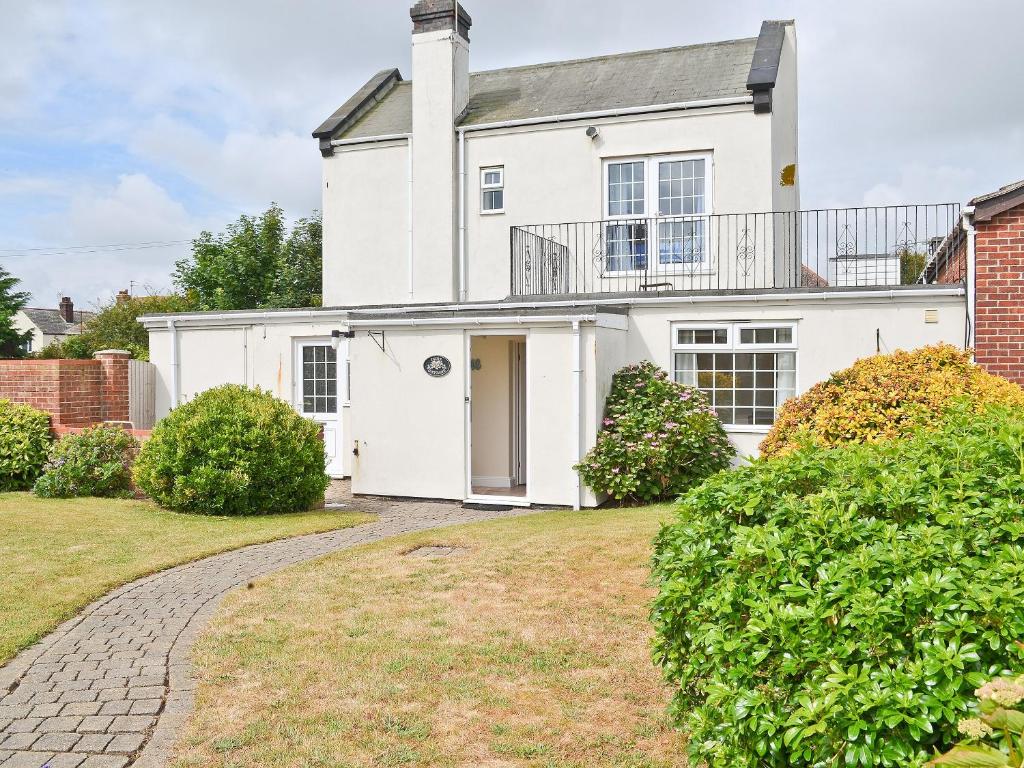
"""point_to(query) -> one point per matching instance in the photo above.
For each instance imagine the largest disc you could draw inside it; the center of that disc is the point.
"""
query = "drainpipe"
(972, 272)
(462, 215)
(174, 363)
(577, 375)
(409, 216)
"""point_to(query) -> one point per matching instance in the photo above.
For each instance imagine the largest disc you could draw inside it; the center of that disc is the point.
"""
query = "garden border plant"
(659, 438)
(24, 444)
(234, 451)
(94, 462)
(840, 606)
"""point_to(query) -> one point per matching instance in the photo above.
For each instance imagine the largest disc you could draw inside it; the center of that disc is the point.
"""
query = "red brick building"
(987, 251)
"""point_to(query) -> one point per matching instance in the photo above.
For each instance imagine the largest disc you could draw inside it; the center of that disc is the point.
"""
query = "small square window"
(492, 190)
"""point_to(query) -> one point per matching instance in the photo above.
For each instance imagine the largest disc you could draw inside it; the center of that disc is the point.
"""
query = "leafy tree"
(255, 263)
(12, 343)
(116, 326)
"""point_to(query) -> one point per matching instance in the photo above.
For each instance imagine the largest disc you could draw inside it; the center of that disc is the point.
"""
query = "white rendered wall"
(366, 225)
(554, 174)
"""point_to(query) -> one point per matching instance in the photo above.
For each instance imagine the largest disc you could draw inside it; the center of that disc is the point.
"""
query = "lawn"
(58, 555)
(530, 646)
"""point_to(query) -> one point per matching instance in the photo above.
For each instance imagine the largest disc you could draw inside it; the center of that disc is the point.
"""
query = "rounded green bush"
(24, 442)
(233, 451)
(658, 438)
(840, 606)
(96, 462)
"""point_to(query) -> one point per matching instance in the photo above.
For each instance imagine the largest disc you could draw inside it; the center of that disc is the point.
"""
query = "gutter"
(370, 139)
(486, 320)
(972, 273)
(617, 112)
(658, 300)
(329, 314)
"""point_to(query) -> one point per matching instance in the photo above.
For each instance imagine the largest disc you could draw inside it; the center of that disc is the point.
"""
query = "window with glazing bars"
(319, 379)
(747, 371)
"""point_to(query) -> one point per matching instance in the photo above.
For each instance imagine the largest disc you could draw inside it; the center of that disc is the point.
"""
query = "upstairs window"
(747, 370)
(492, 190)
(675, 193)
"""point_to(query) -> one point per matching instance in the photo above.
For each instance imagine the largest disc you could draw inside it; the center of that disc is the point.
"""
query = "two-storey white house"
(497, 244)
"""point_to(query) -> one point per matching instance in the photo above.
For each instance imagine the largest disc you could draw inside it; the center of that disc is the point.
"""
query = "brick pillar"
(114, 387)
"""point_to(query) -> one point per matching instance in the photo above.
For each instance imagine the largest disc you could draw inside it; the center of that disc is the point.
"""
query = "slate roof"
(52, 323)
(637, 79)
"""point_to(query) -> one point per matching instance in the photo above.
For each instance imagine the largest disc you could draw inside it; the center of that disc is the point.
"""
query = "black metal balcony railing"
(867, 247)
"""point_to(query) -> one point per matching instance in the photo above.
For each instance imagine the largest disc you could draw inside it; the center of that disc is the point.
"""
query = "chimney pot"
(433, 15)
(67, 309)
(122, 297)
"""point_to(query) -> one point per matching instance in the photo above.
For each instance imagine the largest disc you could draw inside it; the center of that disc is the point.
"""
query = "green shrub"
(838, 607)
(24, 441)
(887, 396)
(659, 438)
(995, 737)
(96, 462)
(233, 451)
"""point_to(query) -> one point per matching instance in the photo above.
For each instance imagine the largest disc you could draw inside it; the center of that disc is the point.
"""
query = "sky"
(126, 122)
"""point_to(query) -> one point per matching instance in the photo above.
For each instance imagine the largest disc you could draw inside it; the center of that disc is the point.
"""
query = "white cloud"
(134, 209)
(250, 169)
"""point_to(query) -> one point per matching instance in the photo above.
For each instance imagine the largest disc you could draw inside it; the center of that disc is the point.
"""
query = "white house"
(497, 244)
(49, 325)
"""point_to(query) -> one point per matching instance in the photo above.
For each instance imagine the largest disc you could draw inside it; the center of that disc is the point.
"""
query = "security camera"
(592, 131)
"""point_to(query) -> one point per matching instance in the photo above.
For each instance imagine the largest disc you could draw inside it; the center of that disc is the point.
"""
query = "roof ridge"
(622, 55)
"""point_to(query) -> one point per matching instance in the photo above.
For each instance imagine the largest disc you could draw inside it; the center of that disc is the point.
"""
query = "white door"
(319, 392)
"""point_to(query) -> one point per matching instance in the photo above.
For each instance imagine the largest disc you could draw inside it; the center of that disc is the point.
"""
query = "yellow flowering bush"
(887, 396)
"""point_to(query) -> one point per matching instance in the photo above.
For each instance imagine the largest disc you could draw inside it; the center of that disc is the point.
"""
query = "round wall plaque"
(437, 366)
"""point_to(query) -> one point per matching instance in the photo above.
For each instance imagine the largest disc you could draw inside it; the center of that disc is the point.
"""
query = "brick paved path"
(111, 687)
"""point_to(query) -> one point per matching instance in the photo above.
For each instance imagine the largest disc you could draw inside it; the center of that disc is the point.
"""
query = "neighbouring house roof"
(1003, 199)
(52, 323)
(986, 207)
(732, 68)
(811, 279)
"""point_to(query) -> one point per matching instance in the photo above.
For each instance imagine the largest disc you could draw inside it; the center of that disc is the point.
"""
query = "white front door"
(319, 392)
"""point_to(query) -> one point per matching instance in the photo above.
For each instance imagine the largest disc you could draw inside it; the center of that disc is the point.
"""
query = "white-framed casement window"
(492, 190)
(747, 370)
(656, 210)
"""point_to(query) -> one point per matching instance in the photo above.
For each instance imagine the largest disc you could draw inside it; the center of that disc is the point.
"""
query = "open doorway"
(497, 416)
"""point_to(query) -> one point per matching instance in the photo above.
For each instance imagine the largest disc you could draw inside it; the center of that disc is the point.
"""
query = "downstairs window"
(747, 370)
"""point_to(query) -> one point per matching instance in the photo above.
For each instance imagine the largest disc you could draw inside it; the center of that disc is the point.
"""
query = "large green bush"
(24, 442)
(233, 451)
(839, 606)
(96, 462)
(658, 439)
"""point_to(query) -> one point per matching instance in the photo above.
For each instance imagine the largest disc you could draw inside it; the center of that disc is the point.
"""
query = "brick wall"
(999, 296)
(76, 393)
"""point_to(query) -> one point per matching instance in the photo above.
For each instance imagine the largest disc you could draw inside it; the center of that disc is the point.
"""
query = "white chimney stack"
(440, 94)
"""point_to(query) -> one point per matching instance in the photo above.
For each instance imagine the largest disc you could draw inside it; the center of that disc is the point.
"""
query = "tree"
(255, 263)
(12, 343)
(116, 327)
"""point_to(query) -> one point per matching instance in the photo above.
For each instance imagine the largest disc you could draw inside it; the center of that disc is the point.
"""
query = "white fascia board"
(231, 319)
(469, 321)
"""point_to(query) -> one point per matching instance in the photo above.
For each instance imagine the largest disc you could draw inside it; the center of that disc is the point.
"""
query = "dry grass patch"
(530, 646)
(58, 555)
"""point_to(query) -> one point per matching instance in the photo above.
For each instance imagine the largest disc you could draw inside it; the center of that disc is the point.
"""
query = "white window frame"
(485, 188)
(652, 213)
(733, 345)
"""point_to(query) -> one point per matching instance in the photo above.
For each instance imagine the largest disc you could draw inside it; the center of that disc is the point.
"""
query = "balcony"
(869, 247)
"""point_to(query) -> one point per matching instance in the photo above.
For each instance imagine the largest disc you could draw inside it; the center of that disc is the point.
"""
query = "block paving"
(112, 686)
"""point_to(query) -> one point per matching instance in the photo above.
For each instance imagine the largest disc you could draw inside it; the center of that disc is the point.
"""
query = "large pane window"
(746, 371)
